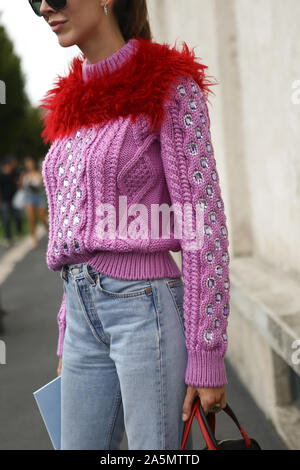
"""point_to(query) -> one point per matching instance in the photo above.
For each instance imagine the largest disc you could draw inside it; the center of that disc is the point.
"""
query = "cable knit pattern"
(113, 159)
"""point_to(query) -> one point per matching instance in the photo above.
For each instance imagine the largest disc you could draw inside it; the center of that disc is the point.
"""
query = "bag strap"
(207, 425)
(229, 411)
(188, 425)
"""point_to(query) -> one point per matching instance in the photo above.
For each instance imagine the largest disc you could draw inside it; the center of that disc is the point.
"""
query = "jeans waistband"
(75, 270)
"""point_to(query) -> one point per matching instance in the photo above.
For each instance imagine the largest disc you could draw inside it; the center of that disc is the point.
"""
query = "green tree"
(20, 125)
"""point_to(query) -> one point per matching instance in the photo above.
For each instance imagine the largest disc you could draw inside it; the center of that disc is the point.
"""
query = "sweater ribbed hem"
(205, 369)
(135, 265)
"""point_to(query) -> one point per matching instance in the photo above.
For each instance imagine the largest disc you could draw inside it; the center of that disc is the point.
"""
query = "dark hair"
(132, 17)
(30, 157)
(7, 158)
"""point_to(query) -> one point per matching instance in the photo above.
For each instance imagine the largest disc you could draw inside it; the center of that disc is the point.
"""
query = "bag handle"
(207, 425)
(208, 437)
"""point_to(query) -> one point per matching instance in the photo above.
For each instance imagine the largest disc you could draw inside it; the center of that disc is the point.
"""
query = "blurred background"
(252, 48)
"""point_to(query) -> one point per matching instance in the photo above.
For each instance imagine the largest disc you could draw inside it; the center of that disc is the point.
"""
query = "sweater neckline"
(110, 63)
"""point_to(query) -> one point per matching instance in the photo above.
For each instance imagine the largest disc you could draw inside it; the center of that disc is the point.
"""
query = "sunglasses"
(55, 4)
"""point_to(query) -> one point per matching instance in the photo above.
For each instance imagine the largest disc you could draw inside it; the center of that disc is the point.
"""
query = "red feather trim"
(139, 86)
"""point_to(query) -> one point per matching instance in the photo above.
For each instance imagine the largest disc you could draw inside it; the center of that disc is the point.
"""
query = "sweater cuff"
(205, 369)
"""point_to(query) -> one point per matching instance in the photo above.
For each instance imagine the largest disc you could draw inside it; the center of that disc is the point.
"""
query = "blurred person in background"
(35, 201)
(19, 211)
(8, 188)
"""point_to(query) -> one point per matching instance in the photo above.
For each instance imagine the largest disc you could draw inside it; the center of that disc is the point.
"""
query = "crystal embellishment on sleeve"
(181, 90)
(207, 308)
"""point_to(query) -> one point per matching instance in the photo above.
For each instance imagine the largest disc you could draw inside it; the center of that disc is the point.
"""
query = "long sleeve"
(61, 320)
(193, 183)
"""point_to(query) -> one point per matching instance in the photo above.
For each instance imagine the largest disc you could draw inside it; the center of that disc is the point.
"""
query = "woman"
(9, 183)
(32, 182)
(129, 133)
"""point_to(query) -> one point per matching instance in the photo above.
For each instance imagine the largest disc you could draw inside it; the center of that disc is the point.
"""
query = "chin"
(65, 41)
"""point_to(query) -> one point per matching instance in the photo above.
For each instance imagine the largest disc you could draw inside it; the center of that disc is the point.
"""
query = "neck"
(102, 48)
(111, 62)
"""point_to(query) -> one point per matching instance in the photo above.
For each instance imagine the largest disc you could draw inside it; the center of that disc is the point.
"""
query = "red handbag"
(207, 426)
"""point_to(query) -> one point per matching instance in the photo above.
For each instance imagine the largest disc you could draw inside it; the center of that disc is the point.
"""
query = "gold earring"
(105, 8)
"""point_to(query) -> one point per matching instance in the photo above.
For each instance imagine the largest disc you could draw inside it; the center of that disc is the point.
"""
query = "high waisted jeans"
(123, 363)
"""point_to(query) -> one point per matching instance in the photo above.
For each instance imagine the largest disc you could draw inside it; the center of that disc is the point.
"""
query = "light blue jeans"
(123, 363)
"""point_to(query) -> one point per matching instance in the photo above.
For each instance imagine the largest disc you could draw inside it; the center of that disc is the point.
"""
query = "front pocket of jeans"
(89, 310)
(123, 288)
(176, 289)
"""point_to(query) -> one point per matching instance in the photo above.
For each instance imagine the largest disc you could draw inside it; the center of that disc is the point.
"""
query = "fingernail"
(184, 416)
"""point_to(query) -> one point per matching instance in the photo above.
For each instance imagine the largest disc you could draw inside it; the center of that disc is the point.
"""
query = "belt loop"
(87, 274)
(64, 273)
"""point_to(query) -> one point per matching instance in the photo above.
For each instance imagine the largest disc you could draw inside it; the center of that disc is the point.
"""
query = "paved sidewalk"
(31, 296)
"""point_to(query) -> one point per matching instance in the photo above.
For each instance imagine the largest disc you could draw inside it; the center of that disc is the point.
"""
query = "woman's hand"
(59, 365)
(208, 398)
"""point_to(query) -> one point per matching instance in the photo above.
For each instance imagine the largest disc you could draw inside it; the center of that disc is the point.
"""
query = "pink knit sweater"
(89, 173)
